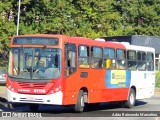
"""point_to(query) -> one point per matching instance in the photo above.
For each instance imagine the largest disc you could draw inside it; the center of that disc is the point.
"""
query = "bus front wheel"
(79, 106)
(131, 99)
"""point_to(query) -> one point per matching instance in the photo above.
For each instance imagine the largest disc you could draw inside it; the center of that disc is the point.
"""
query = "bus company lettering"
(23, 90)
(39, 91)
(118, 76)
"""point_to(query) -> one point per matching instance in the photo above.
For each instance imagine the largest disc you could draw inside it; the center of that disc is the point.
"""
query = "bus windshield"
(35, 63)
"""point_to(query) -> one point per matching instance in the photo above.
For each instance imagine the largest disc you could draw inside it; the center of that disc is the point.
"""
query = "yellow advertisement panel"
(118, 76)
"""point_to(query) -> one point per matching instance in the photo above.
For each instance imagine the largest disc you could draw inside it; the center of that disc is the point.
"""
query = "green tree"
(93, 18)
(141, 17)
(7, 25)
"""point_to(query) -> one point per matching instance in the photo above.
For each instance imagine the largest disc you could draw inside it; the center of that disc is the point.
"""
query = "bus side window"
(70, 59)
(132, 60)
(109, 56)
(141, 56)
(83, 58)
(150, 61)
(121, 59)
(97, 57)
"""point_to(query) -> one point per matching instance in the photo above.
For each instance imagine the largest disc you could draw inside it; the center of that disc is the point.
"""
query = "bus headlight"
(11, 88)
(52, 91)
(59, 88)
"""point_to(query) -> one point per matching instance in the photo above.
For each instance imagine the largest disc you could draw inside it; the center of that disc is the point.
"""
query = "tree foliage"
(93, 18)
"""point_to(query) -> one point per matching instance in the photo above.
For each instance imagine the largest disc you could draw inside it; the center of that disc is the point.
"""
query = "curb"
(157, 91)
(5, 103)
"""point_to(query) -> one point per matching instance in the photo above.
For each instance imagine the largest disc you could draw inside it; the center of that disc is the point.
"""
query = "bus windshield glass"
(35, 63)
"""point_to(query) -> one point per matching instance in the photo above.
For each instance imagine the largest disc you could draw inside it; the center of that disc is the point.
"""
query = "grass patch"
(157, 79)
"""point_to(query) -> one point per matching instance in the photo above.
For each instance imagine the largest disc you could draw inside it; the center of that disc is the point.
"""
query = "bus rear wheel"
(79, 106)
(131, 99)
(33, 107)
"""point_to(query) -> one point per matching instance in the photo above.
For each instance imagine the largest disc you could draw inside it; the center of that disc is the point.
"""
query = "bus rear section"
(141, 62)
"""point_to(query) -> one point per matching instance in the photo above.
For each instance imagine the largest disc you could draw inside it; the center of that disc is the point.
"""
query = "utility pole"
(18, 17)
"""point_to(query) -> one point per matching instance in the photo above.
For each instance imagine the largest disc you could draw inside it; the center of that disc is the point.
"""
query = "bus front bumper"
(53, 99)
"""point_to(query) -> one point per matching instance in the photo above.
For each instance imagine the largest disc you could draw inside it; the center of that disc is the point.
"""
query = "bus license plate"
(31, 98)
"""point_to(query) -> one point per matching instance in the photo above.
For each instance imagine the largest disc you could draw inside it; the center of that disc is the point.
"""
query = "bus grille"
(32, 85)
(30, 100)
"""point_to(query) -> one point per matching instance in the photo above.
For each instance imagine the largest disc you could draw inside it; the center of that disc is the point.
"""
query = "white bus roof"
(139, 48)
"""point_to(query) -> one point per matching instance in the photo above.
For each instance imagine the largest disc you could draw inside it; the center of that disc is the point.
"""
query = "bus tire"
(79, 106)
(131, 99)
(33, 107)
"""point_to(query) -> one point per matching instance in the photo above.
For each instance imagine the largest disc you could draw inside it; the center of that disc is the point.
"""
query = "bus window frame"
(135, 60)
(153, 62)
(141, 60)
(112, 66)
(97, 57)
(125, 59)
(66, 50)
(83, 56)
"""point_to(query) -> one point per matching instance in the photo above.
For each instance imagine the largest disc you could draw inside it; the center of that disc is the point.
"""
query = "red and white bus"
(62, 70)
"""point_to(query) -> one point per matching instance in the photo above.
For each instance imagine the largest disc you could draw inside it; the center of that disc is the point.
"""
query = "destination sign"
(35, 40)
